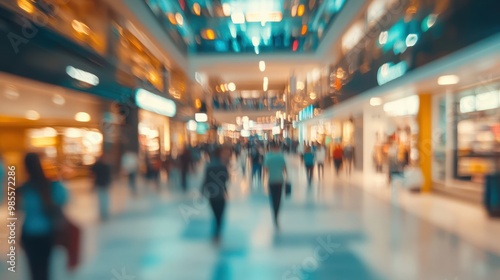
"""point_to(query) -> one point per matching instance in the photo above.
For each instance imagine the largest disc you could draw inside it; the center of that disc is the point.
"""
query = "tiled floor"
(332, 230)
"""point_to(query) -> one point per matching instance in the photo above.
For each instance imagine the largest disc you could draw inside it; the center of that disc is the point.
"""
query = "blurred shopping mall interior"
(398, 101)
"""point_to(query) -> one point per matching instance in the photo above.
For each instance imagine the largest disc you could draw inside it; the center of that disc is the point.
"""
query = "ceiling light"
(262, 66)
(171, 18)
(80, 27)
(26, 6)
(300, 10)
(238, 18)
(201, 117)
(209, 34)
(411, 40)
(11, 93)
(312, 95)
(293, 10)
(266, 84)
(264, 17)
(179, 19)
(196, 9)
(58, 99)
(382, 38)
(32, 115)
(375, 101)
(255, 41)
(191, 125)
(226, 8)
(82, 117)
(448, 80)
(304, 30)
(231, 86)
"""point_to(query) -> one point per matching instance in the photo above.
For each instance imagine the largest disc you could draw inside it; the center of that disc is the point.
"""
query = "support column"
(424, 120)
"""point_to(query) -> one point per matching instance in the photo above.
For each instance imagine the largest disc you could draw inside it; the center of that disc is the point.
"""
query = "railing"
(249, 104)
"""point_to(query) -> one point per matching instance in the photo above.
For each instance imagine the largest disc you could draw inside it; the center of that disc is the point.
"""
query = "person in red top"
(337, 157)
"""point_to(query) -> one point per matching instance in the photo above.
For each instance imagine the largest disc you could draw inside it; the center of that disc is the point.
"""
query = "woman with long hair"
(41, 199)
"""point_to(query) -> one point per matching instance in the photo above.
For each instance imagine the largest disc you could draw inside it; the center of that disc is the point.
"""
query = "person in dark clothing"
(214, 186)
(102, 183)
(257, 160)
(186, 161)
(39, 198)
(308, 159)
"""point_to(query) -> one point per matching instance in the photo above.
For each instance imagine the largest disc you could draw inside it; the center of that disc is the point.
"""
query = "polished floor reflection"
(331, 230)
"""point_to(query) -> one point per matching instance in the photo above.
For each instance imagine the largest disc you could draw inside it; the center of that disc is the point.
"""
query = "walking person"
(102, 183)
(243, 160)
(215, 186)
(348, 153)
(337, 157)
(320, 157)
(257, 158)
(308, 159)
(130, 166)
(40, 200)
(186, 163)
(275, 165)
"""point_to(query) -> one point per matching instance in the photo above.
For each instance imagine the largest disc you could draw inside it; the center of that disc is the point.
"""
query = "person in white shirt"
(130, 165)
(320, 156)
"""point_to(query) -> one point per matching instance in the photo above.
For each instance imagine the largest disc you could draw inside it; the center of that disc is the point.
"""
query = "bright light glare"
(82, 117)
(58, 99)
(32, 115)
(375, 101)
(265, 84)
(255, 41)
(262, 66)
(238, 18)
(231, 86)
(155, 103)
(300, 10)
(196, 9)
(226, 8)
(201, 117)
(448, 80)
(80, 27)
(411, 40)
(179, 19)
(191, 125)
(382, 38)
(82, 76)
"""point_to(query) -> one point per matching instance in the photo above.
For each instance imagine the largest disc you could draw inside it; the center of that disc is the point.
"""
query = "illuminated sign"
(389, 72)
(201, 117)
(154, 103)
(82, 76)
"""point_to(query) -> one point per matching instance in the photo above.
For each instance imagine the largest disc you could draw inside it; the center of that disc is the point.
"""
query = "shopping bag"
(413, 178)
(68, 235)
(288, 189)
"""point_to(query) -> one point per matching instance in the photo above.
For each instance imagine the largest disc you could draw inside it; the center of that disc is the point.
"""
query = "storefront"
(386, 124)
(154, 124)
(467, 138)
(63, 126)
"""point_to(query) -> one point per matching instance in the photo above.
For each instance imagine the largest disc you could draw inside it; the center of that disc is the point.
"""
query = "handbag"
(67, 235)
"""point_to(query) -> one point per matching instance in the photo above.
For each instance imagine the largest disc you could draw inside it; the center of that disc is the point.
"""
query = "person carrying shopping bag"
(41, 201)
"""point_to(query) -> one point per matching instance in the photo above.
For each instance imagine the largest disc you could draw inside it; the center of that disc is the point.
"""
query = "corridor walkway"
(331, 230)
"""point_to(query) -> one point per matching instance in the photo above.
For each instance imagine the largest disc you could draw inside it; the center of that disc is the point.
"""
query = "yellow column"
(424, 119)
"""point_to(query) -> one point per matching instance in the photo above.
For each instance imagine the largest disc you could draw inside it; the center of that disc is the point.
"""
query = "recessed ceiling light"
(58, 99)
(448, 80)
(226, 8)
(262, 66)
(32, 115)
(11, 93)
(231, 86)
(375, 101)
(196, 9)
(179, 19)
(82, 117)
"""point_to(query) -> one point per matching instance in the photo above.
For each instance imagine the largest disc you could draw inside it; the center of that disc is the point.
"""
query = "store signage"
(155, 103)
(82, 76)
(389, 72)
